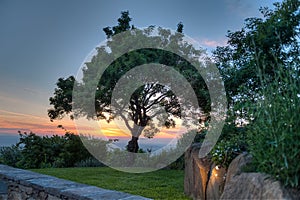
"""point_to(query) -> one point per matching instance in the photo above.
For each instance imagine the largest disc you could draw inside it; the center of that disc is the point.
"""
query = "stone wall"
(242, 185)
(203, 180)
(18, 184)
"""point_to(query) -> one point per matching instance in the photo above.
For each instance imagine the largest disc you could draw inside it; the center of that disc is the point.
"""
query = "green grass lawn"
(162, 184)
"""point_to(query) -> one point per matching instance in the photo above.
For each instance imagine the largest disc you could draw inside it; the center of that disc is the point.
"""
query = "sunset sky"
(41, 41)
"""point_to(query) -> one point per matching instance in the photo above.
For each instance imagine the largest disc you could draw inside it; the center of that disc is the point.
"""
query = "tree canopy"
(262, 45)
(139, 115)
(260, 67)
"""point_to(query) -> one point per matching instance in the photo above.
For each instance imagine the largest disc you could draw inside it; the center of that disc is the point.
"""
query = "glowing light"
(217, 167)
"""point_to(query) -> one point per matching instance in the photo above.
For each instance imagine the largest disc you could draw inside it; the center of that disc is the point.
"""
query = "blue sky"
(42, 41)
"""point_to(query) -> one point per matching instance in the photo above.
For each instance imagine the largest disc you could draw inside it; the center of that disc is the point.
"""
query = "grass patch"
(162, 184)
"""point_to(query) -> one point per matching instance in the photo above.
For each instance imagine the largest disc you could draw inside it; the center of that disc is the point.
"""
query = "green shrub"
(225, 151)
(231, 143)
(73, 150)
(89, 162)
(274, 134)
(33, 151)
(10, 155)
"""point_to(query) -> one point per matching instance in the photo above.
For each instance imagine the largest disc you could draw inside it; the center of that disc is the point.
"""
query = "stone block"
(22, 184)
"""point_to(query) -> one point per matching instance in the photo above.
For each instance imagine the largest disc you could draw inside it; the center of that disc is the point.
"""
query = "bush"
(231, 143)
(89, 162)
(274, 134)
(226, 150)
(33, 151)
(10, 155)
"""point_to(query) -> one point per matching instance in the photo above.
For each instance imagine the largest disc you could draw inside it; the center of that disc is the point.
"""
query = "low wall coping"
(60, 188)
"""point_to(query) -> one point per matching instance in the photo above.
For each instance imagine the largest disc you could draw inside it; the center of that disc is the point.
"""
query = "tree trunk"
(133, 145)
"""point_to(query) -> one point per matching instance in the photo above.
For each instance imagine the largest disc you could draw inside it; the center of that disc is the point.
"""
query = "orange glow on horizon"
(12, 122)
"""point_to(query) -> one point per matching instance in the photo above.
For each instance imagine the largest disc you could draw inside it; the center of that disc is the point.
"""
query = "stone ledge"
(26, 184)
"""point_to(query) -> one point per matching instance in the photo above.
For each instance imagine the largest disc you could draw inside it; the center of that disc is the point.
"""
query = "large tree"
(262, 47)
(139, 115)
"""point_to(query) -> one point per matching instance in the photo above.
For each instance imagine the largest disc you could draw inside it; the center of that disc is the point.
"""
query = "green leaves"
(260, 67)
(274, 135)
(115, 60)
(263, 45)
(62, 100)
(33, 151)
(123, 25)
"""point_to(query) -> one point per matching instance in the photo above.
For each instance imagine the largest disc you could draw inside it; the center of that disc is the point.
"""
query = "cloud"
(210, 43)
(12, 122)
(20, 114)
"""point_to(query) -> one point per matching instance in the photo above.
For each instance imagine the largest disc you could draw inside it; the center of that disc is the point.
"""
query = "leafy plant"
(274, 135)
(34, 151)
(231, 143)
(89, 162)
(260, 67)
(10, 155)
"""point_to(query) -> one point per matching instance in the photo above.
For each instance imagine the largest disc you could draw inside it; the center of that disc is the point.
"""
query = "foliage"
(161, 184)
(260, 67)
(230, 145)
(143, 102)
(264, 44)
(274, 135)
(33, 151)
(62, 98)
(89, 162)
(10, 155)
